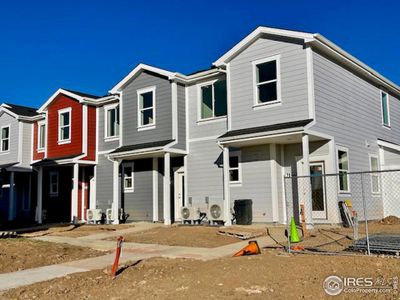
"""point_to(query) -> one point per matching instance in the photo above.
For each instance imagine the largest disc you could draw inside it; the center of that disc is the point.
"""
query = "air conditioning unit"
(190, 214)
(215, 213)
(93, 216)
(109, 216)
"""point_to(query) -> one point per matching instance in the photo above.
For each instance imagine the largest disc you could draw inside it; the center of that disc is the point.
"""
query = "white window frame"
(54, 193)
(378, 192)
(200, 100)
(132, 188)
(139, 110)
(343, 149)
(2, 139)
(108, 138)
(60, 112)
(278, 101)
(388, 126)
(39, 124)
(237, 153)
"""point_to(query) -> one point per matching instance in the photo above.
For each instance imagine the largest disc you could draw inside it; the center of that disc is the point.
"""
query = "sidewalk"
(130, 252)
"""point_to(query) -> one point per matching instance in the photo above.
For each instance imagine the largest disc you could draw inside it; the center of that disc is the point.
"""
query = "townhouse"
(279, 103)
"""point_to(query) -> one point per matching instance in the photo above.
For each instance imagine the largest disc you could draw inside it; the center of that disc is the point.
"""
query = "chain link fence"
(357, 211)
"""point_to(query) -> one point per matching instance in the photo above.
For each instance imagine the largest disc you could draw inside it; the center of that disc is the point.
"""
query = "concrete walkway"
(130, 252)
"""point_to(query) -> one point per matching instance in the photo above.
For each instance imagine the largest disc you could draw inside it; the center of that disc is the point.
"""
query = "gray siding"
(104, 183)
(204, 172)
(256, 182)
(139, 203)
(102, 144)
(163, 112)
(26, 144)
(181, 118)
(349, 108)
(293, 66)
(201, 129)
(12, 155)
(391, 157)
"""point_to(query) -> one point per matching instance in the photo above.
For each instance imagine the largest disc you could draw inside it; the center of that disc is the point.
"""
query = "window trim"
(39, 124)
(278, 101)
(1, 139)
(108, 138)
(237, 153)
(51, 193)
(140, 92)
(60, 112)
(343, 149)
(371, 156)
(388, 126)
(200, 99)
(128, 165)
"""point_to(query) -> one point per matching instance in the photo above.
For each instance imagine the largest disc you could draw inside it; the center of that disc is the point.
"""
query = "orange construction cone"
(250, 249)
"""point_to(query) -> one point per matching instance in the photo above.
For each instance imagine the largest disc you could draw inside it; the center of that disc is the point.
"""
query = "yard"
(272, 274)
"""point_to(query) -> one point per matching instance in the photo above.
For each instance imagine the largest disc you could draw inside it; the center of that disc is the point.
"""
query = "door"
(179, 185)
(317, 170)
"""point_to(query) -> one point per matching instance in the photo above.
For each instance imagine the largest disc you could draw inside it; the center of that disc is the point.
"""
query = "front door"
(179, 178)
(317, 170)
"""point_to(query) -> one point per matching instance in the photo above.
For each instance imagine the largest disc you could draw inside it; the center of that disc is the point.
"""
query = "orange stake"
(117, 255)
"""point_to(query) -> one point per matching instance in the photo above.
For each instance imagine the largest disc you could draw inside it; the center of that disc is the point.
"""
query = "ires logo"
(334, 285)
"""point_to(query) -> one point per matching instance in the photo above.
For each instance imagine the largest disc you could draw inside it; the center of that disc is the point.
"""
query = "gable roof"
(79, 96)
(317, 41)
(20, 110)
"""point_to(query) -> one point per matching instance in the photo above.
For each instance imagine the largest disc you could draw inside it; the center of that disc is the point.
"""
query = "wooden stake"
(303, 219)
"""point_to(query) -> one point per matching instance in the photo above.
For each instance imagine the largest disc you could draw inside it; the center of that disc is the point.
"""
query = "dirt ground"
(20, 253)
(271, 275)
(78, 230)
(190, 236)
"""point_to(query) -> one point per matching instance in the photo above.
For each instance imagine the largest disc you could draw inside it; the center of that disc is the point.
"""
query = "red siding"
(75, 146)
(91, 154)
(36, 155)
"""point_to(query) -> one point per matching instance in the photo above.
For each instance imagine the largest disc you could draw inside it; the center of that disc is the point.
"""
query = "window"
(41, 136)
(213, 100)
(64, 125)
(53, 176)
(5, 138)
(267, 81)
(375, 183)
(146, 107)
(112, 121)
(385, 109)
(343, 166)
(235, 175)
(128, 177)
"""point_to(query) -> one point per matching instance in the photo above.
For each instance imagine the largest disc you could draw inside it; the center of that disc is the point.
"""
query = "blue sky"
(90, 45)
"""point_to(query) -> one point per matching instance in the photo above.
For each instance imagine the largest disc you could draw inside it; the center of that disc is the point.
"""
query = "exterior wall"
(10, 156)
(163, 110)
(91, 135)
(27, 145)
(104, 183)
(36, 155)
(104, 145)
(391, 158)
(181, 118)
(293, 67)
(139, 203)
(54, 150)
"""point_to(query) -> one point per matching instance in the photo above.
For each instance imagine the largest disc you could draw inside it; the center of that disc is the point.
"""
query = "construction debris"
(8, 234)
(241, 233)
(378, 244)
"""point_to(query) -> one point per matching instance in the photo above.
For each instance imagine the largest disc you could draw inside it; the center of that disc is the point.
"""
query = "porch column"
(155, 189)
(116, 204)
(12, 204)
(307, 200)
(167, 189)
(83, 195)
(227, 195)
(274, 182)
(39, 207)
(74, 196)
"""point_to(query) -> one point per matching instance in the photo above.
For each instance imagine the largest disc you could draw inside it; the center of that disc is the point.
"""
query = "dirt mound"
(390, 220)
